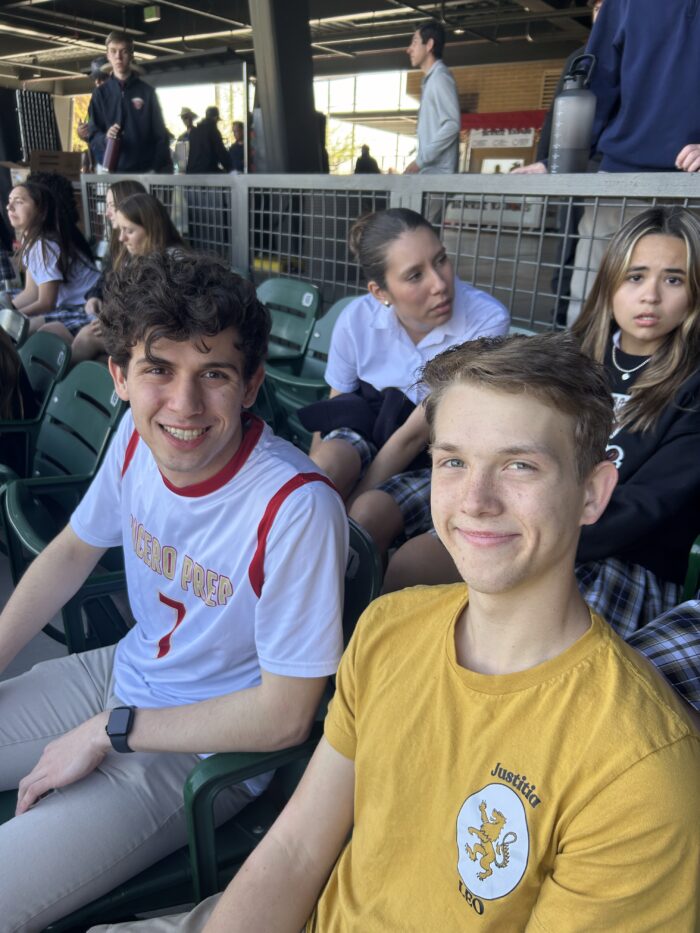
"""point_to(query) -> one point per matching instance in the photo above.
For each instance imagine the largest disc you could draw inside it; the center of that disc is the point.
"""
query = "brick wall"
(492, 88)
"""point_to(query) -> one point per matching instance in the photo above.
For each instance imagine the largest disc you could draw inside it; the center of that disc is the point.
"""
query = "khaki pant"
(597, 225)
(192, 922)
(82, 840)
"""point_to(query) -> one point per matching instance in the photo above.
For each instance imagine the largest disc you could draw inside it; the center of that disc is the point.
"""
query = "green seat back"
(316, 357)
(15, 324)
(293, 306)
(692, 577)
(79, 420)
(363, 577)
(268, 408)
(45, 358)
(302, 383)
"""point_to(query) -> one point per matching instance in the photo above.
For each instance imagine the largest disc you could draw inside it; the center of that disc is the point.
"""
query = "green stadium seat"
(15, 324)
(692, 577)
(45, 358)
(69, 440)
(294, 306)
(301, 381)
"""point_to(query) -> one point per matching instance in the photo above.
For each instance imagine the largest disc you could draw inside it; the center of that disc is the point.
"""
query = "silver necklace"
(626, 373)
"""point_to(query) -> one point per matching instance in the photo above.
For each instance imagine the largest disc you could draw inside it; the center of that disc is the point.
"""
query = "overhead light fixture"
(151, 14)
(458, 31)
(36, 73)
(527, 34)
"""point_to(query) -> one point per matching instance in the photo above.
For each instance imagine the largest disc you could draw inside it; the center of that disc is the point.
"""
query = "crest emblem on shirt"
(137, 103)
(493, 841)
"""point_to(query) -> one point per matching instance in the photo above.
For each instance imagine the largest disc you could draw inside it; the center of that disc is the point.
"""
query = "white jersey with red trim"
(238, 573)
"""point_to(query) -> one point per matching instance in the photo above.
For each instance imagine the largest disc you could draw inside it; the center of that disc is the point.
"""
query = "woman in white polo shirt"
(372, 441)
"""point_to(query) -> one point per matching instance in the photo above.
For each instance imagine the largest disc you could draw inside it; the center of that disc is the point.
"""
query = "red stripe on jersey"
(252, 429)
(130, 450)
(256, 571)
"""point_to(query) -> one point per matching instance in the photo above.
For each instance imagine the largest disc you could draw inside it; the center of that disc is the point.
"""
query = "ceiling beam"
(198, 11)
(439, 15)
(348, 36)
(575, 27)
(507, 52)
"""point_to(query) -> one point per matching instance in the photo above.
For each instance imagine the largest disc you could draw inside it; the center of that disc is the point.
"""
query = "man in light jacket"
(439, 116)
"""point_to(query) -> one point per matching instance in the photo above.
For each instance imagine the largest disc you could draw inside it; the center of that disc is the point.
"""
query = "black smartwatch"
(118, 727)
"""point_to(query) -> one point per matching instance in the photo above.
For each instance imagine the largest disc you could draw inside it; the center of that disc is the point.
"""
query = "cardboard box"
(64, 163)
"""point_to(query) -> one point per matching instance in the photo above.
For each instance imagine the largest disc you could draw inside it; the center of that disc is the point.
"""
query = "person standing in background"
(646, 115)
(366, 164)
(207, 151)
(126, 108)
(188, 117)
(539, 167)
(569, 217)
(237, 150)
(439, 117)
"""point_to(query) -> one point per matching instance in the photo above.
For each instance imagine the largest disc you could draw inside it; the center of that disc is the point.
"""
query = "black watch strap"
(118, 727)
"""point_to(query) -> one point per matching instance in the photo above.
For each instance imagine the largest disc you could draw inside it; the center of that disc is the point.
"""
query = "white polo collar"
(384, 318)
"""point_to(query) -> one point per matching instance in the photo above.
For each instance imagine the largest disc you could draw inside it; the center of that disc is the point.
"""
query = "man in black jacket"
(208, 208)
(366, 164)
(237, 150)
(127, 108)
(207, 150)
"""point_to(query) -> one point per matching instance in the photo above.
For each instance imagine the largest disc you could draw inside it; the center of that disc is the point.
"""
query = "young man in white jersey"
(503, 759)
(235, 550)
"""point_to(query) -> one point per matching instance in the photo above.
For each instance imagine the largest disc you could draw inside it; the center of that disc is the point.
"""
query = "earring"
(387, 304)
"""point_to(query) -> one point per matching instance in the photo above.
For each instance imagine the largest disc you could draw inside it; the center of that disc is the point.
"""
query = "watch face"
(119, 721)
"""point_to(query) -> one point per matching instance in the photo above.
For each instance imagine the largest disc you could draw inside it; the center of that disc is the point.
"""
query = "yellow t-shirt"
(562, 798)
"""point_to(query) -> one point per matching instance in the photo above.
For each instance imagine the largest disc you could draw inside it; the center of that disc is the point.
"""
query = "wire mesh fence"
(527, 240)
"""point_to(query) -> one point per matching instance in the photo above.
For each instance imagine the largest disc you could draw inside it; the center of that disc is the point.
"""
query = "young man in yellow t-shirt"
(504, 761)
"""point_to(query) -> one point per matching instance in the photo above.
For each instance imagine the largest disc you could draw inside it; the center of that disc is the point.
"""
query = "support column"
(284, 74)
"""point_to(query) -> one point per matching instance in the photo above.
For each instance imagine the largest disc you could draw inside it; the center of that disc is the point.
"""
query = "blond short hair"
(550, 367)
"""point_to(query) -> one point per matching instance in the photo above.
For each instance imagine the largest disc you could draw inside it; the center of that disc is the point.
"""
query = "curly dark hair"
(181, 296)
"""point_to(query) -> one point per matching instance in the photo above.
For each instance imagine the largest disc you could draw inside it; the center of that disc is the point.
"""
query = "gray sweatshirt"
(439, 121)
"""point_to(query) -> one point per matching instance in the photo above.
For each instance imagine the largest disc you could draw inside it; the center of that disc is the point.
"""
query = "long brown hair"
(121, 190)
(678, 357)
(146, 211)
(55, 222)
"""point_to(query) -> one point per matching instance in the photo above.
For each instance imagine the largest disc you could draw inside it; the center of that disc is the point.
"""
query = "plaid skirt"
(71, 318)
(645, 612)
(409, 490)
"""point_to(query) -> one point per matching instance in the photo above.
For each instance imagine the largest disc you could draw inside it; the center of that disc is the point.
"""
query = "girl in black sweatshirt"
(642, 321)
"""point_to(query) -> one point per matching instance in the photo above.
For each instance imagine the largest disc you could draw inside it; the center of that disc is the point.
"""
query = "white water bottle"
(572, 120)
